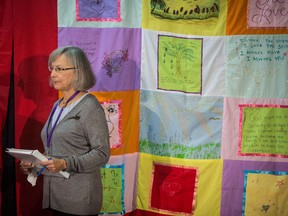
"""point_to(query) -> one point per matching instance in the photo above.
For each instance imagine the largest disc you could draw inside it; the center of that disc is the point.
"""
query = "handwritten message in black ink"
(89, 47)
(263, 49)
(265, 131)
(112, 189)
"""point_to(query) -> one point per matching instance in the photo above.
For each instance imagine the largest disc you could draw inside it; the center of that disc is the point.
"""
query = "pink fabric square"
(100, 10)
(268, 13)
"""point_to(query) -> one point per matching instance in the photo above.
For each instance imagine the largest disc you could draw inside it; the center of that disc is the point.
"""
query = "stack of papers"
(34, 157)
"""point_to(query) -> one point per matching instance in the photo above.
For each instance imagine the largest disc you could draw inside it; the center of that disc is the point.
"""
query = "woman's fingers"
(54, 164)
(26, 167)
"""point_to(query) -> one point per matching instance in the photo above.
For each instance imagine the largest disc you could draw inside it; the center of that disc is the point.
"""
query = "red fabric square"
(173, 188)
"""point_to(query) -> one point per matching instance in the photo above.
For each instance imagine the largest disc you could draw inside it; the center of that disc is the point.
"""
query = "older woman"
(75, 136)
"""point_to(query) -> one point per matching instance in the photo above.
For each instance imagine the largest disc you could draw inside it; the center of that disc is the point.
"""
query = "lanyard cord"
(49, 134)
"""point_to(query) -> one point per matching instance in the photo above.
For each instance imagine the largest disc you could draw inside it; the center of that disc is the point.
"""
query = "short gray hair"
(85, 78)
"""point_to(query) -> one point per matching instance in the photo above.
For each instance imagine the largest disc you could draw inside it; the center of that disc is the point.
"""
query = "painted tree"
(154, 4)
(178, 51)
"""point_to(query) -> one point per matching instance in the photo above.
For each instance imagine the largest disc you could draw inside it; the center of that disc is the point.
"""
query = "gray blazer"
(82, 139)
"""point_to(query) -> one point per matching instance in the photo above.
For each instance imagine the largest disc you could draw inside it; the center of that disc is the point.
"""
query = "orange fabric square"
(129, 123)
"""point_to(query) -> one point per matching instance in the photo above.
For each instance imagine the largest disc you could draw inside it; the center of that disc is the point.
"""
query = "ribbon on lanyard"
(49, 134)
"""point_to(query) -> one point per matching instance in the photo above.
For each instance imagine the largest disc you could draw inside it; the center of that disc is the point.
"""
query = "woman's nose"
(52, 73)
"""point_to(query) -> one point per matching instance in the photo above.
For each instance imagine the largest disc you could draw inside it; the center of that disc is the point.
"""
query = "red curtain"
(5, 68)
(31, 26)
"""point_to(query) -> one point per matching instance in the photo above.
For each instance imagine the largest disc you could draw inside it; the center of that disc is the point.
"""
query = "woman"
(75, 137)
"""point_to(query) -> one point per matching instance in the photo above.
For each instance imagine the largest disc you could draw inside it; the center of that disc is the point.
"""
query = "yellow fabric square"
(266, 194)
(208, 26)
(209, 184)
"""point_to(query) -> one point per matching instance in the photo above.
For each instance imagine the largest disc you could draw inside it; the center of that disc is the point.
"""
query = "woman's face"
(62, 80)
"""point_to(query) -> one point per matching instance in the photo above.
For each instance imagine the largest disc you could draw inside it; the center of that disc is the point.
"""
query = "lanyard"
(49, 134)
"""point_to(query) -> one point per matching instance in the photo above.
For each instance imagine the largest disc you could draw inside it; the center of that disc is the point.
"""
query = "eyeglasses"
(59, 69)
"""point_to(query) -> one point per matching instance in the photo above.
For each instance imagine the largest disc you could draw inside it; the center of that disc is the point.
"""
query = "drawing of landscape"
(180, 126)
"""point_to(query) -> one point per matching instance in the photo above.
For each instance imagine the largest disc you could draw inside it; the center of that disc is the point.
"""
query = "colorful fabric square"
(113, 115)
(168, 125)
(263, 130)
(207, 187)
(258, 66)
(179, 64)
(232, 130)
(130, 166)
(173, 188)
(185, 10)
(242, 14)
(99, 13)
(155, 58)
(117, 64)
(113, 189)
(265, 185)
(138, 212)
(234, 188)
(129, 124)
(98, 10)
(206, 17)
(267, 14)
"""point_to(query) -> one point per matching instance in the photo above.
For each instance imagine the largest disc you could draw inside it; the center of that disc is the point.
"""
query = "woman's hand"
(54, 165)
(26, 167)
